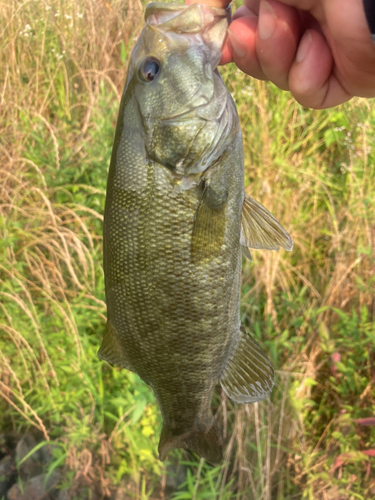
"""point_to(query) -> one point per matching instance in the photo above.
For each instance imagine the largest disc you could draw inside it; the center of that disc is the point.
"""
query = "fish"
(177, 222)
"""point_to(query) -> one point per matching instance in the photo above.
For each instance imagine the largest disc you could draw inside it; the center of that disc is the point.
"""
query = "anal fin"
(249, 375)
(111, 349)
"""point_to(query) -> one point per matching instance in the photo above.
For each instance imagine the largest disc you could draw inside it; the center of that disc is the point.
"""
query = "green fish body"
(177, 221)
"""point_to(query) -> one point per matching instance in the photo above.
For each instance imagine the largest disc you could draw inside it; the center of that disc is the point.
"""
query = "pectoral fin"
(260, 229)
(209, 224)
(111, 349)
(248, 376)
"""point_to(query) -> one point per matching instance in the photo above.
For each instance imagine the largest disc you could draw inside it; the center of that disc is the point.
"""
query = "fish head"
(187, 114)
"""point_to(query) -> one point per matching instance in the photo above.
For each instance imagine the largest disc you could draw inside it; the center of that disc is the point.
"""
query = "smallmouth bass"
(177, 220)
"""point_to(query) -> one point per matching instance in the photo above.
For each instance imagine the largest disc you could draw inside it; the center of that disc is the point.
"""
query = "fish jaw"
(210, 24)
(188, 117)
(173, 29)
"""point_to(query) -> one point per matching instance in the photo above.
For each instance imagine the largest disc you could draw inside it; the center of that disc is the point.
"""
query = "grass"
(63, 66)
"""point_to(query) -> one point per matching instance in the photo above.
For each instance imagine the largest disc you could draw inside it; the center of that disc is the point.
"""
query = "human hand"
(320, 50)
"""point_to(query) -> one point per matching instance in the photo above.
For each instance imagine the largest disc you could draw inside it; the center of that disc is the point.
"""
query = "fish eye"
(150, 67)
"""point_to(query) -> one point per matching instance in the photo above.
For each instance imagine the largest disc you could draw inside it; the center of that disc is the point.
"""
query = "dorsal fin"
(260, 229)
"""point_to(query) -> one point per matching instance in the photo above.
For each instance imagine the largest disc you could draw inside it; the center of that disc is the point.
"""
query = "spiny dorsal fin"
(111, 350)
(260, 229)
(248, 377)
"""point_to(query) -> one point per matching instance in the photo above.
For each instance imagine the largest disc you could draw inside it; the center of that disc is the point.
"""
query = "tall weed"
(63, 67)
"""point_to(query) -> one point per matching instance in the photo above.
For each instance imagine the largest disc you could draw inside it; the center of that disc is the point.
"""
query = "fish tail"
(207, 444)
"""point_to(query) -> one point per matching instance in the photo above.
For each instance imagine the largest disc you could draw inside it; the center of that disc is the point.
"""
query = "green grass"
(63, 68)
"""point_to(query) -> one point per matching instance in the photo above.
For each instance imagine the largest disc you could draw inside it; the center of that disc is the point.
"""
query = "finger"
(220, 4)
(244, 11)
(276, 40)
(349, 35)
(241, 44)
(311, 79)
(226, 52)
(252, 5)
(303, 4)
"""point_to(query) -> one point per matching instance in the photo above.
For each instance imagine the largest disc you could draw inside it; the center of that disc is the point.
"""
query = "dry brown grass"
(62, 72)
(54, 56)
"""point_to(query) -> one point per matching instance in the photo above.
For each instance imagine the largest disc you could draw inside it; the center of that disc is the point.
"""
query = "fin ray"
(248, 377)
(111, 350)
(246, 252)
(260, 229)
(207, 445)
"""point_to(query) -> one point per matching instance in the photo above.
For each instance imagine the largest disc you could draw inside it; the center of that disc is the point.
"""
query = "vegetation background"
(62, 69)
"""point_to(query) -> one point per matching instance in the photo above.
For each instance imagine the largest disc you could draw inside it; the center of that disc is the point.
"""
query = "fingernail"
(304, 46)
(239, 48)
(267, 20)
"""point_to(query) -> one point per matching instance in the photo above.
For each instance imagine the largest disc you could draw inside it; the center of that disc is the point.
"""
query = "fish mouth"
(210, 23)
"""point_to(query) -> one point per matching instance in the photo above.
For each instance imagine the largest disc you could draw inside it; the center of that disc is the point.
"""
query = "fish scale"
(174, 230)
